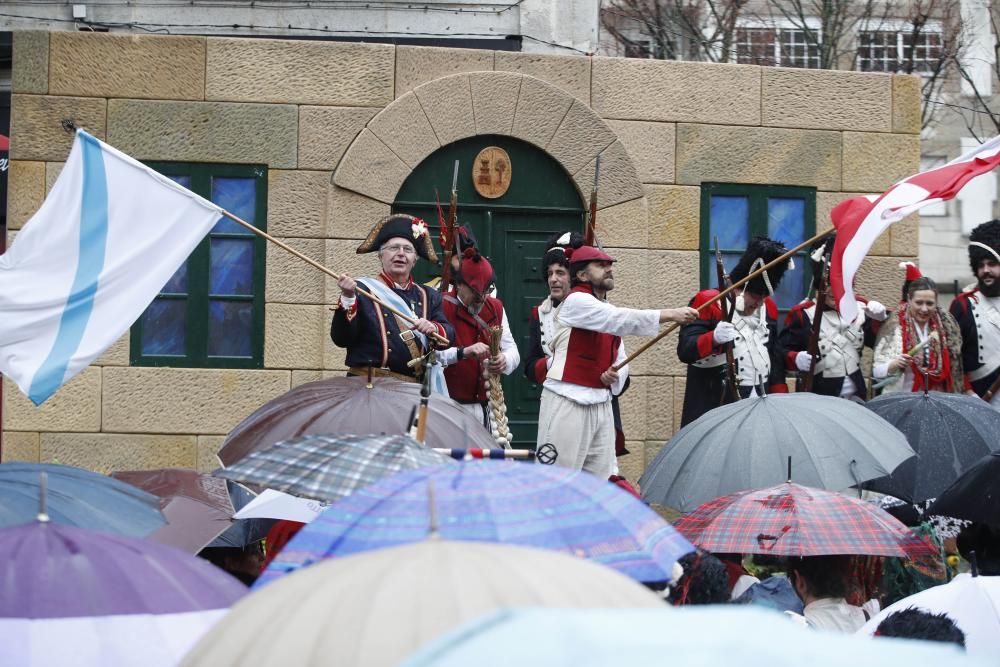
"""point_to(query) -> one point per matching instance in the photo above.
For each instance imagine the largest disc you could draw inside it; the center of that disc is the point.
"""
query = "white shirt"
(508, 348)
(834, 614)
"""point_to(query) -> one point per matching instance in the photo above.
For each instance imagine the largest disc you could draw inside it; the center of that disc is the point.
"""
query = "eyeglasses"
(407, 249)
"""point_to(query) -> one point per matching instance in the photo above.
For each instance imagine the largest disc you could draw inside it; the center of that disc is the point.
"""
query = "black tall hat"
(761, 248)
(987, 234)
(555, 249)
(400, 225)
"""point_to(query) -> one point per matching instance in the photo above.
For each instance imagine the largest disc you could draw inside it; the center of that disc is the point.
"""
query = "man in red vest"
(575, 414)
(474, 313)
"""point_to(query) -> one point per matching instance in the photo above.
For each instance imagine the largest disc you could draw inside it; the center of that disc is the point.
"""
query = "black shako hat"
(766, 250)
(987, 234)
(400, 225)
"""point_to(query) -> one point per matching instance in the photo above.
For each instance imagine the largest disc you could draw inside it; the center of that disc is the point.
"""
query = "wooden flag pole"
(723, 293)
(284, 246)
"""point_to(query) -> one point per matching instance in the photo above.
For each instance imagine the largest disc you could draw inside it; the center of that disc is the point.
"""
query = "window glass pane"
(786, 220)
(792, 287)
(178, 282)
(184, 180)
(231, 268)
(729, 221)
(229, 328)
(164, 327)
(238, 196)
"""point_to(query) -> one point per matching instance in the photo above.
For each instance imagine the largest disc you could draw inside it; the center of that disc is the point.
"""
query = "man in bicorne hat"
(753, 332)
(575, 415)
(837, 370)
(977, 311)
(473, 313)
(373, 335)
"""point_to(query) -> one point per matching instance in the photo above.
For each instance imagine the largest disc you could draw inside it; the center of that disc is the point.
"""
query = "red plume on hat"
(912, 272)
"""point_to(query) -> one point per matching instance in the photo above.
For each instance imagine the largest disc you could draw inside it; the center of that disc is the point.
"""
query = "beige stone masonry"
(342, 257)
(659, 420)
(673, 277)
(208, 452)
(826, 201)
(299, 72)
(667, 90)
(369, 167)
(350, 215)
(296, 203)
(448, 105)
(108, 452)
(680, 383)
(707, 153)
(25, 191)
(568, 73)
(416, 65)
(52, 171)
(20, 447)
(36, 131)
(404, 129)
(904, 236)
(881, 279)
(304, 377)
(326, 132)
(631, 266)
(494, 101)
(674, 216)
(580, 137)
(75, 407)
(633, 408)
(873, 162)
(540, 110)
(117, 354)
(906, 106)
(333, 356)
(631, 465)
(826, 99)
(121, 65)
(618, 181)
(290, 279)
(622, 225)
(651, 147)
(30, 72)
(185, 400)
(205, 131)
(295, 336)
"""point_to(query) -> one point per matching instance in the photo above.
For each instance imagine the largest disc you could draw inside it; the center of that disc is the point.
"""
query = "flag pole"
(308, 260)
(663, 334)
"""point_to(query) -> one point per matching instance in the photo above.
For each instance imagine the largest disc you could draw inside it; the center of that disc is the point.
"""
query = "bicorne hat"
(400, 225)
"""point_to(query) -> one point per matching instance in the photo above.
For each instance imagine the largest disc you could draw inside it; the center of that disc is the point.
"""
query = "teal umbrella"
(709, 636)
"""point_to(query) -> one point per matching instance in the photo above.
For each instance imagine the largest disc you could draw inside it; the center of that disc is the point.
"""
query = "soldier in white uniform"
(977, 311)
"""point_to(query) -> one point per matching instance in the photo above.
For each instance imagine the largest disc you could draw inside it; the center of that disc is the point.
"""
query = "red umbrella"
(794, 520)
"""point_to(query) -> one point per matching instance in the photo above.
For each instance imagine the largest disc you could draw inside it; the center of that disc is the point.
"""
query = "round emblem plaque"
(491, 172)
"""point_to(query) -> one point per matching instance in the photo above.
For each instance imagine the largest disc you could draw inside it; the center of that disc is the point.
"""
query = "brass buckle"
(407, 335)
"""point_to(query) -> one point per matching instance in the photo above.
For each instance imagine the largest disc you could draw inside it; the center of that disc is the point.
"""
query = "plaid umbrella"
(330, 467)
(547, 507)
(794, 520)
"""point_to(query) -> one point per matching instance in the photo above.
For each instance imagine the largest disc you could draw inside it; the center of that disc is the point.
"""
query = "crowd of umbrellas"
(414, 553)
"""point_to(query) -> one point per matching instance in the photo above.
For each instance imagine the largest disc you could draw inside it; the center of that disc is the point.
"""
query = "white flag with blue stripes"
(104, 242)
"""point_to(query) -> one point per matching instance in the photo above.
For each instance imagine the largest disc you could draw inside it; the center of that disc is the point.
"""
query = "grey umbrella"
(949, 432)
(833, 444)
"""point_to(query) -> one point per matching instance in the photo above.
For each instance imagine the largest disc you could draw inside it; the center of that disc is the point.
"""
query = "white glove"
(803, 361)
(876, 311)
(724, 333)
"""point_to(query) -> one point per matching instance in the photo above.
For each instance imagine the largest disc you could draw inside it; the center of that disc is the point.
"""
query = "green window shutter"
(210, 314)
(736, 213)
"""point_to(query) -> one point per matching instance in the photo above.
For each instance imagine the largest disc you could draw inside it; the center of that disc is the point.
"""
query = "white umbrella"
(271, 504)
(972, 602)
(377, 607)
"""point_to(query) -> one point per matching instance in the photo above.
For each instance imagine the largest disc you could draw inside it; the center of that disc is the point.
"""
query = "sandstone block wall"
(340, 126)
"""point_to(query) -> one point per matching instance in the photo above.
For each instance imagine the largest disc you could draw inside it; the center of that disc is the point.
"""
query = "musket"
(590, 230)
(994, 388)
(425, 397)
(449, 239)
(728, 309)
(817, 325)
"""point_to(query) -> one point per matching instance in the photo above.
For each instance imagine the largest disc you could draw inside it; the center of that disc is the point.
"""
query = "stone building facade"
(340, 126)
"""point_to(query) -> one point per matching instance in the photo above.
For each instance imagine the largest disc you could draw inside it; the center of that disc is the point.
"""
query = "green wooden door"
(511, 231)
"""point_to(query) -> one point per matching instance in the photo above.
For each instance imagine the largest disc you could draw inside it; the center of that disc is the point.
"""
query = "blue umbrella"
(76, 497)
(705, 636)
(546, 507)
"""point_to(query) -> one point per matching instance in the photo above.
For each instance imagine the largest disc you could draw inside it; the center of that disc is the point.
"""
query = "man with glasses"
(374, 336)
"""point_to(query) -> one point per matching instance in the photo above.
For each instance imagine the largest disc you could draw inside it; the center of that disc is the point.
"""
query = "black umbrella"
(949, 433)
(975, 495)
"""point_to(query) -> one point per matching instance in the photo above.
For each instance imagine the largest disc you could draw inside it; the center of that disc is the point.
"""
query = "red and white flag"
(860, 220)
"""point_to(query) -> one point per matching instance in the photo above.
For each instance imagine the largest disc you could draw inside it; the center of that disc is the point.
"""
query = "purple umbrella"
(77, 597)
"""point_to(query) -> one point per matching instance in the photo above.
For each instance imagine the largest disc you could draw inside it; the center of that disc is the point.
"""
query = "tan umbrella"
(378, 607)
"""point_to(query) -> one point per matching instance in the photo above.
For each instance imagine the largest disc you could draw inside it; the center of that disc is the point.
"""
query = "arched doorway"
(511, 229)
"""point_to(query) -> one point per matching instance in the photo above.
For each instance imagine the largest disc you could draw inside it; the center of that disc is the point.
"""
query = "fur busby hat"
(986, 234)
(475, 271)
(400, 225)
(555, 249)
(765, 250)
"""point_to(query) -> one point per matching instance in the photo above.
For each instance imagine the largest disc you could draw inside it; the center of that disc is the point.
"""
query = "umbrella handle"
(43, 487)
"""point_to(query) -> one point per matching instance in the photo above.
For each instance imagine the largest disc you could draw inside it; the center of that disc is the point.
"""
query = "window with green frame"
(210, 314)
(736, 213)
